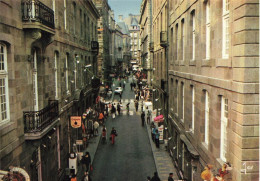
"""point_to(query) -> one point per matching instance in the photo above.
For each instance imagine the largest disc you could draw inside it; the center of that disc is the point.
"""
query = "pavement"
(162, 159)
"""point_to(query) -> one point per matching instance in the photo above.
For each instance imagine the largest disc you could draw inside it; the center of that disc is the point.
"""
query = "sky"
(125, 7)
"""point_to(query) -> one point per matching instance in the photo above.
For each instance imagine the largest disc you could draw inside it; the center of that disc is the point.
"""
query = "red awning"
(159, 118)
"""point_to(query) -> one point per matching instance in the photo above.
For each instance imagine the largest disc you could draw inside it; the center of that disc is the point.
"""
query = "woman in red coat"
(113, 134)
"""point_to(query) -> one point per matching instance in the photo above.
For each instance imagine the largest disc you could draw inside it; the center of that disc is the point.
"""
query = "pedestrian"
(157, 136)
(143, 118)
(118, 108)
(106, 111)
(104, 134)
(86, 177)
(120, 95)
(96, 125)
(113, 111)
(148, 178)
(86, 161)
(148, 116)
(170, 177)
(153, 132)
(155, 177)
(73, 177)
(90, 128)
(136, 105)
(101, 117)
(131, 85)
(113, 134)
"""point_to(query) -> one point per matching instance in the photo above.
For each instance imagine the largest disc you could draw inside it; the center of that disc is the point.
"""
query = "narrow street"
(131, 157)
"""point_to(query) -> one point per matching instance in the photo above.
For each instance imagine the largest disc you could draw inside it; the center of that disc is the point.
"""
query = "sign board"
(75, 121)
(79, 142)
(160, 130)
(153, 114)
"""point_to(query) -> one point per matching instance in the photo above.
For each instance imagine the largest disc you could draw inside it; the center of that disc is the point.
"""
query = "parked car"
(118, 90)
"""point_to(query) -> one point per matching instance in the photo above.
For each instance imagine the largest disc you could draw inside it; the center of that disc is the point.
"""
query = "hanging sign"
(75, 121)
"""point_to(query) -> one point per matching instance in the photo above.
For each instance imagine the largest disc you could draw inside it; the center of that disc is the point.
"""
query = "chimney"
(120, 17)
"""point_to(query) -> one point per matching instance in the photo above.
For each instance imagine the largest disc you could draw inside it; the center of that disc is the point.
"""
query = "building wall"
(66, 41)
(146, 37)
(159, 24)
(219, 75)
(103, 38)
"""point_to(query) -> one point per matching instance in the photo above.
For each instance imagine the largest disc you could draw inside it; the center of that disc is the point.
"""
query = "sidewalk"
(91, 148)
(162, 159)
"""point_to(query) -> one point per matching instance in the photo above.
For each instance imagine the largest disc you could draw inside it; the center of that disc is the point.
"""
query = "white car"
(118, 90)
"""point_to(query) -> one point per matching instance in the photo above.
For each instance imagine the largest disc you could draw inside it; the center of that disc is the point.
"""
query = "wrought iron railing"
(36, 121)
(36, 11)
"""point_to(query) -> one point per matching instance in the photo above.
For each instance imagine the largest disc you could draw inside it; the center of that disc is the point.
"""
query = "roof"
(123, 27)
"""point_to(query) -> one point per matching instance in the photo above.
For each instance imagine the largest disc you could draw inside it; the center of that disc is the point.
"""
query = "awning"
(190, 147)
(159, 118)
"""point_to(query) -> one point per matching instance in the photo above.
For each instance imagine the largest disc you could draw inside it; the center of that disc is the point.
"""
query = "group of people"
(156, 177)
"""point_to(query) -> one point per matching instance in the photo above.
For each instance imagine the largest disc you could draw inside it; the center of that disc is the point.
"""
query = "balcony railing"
(36, 11)
(36, 121)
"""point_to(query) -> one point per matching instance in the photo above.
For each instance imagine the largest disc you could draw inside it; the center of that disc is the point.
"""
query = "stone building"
(146, 33)
(48, 55)
(159, 30)
(104, 35)
(134, 29)
(213, 86)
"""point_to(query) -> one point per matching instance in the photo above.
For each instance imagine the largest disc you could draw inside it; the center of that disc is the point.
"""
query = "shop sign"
(75, 121)
(160, 130)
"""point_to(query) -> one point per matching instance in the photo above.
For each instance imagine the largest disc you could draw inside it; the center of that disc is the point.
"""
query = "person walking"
(148, 116)
(104, 134)
(113, 111)
(155, 177)
(127, 108)
(113, 134)
(148, 178)
(96, 125)
(157, 135)
(170, 177)
(86, 177)
(86, 161)
(143, 118)
(136, 105)
(153, 132)
(101, 118)
(118, 108)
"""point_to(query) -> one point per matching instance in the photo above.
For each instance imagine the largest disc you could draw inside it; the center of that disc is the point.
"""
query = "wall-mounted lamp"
(44, 145)
(49, 137)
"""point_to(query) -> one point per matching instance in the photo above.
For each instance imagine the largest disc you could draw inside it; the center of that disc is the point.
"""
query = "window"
(67, 73)
(135, 34)
(182, 100)
(182, 38)
(206, 138)
(65, 14)
(35, 82)
(171, 55)
(176, 42)
(192, 108)
(4, 101)
(193, 34)
(56, 74)
(224, 121)
(75, 70)
(207, 30)
(131, 34)
(177, 100)
(80, 22)
(85, 27)
(74, 18)
(225, 30)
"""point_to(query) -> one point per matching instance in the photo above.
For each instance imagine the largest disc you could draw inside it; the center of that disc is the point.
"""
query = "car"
(118, 90)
